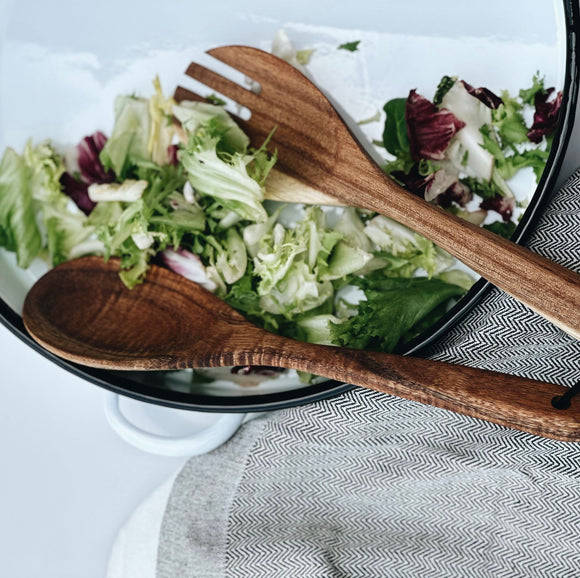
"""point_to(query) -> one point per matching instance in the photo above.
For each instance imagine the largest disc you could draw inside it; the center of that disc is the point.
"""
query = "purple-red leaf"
(445, 190)
(172, 157)
(413, 181)
(91, 169)
(188, 265)
(78, 191)
(429, 128)
(484, 95)
(502, 205)
(439, 187)
(546, 115)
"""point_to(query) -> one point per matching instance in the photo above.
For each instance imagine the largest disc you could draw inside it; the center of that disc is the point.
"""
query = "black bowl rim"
(125, 386)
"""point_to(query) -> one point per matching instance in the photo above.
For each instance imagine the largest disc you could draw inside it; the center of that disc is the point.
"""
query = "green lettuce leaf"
(528, 95)
(290, 264)
(509, 161)
(405, 250)
(393, 307)
(68, 235)
(19, 231)
(30, 195)
(194, 115)
(243, 296)
(232, 259)
(222, 176)
(141, 135)
(343, 261)
(395, 135)
(317, 328)
(129, 141)
(509, 120)
(350, 46)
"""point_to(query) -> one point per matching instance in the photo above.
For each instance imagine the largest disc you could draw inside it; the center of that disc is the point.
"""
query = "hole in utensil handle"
(564, 401)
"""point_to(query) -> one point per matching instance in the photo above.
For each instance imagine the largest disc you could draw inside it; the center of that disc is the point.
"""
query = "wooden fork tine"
(221, 84)
(245, 59)
(182, 94)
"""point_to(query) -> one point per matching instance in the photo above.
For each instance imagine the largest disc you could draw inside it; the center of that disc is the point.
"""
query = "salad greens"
(461, 149)
(403, 305)
(191, 197)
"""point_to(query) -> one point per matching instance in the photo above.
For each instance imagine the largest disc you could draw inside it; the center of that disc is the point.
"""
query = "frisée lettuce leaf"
(222, 175)
(405, 250)
(193, 115)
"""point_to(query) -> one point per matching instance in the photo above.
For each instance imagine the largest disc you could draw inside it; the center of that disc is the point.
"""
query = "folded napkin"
(371, 485)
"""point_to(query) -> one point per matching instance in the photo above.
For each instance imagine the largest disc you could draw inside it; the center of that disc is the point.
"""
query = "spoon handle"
(508, 400)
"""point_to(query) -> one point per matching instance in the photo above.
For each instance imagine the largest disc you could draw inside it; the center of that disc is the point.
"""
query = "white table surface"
(68, 482)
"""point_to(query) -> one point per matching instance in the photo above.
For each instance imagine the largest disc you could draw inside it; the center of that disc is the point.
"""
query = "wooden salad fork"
(318, 152)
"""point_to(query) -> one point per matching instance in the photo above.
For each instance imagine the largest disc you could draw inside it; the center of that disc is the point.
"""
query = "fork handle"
(507, 400)
(546, 287)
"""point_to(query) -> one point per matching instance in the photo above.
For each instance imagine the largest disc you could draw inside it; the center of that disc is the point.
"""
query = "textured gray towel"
(368, 485)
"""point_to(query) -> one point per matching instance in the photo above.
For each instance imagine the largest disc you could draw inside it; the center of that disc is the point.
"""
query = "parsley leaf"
(350, 46)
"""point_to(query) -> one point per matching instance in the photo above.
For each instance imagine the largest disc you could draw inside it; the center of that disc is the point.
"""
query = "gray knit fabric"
(367, 485)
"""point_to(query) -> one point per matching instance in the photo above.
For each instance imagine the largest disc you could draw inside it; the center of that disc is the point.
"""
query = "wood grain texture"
(315, 147)
(82, 312)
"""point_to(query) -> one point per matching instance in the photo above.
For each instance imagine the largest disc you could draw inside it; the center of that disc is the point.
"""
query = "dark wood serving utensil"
(317, 149)
(82, 312)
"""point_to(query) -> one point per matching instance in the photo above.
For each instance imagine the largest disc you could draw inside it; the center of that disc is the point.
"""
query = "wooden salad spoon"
(316, 148)
(81, 311)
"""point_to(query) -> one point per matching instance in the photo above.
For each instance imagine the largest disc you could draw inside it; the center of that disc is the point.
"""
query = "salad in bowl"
(178, 184)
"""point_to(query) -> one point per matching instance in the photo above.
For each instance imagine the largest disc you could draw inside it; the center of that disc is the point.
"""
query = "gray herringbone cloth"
(371, 485)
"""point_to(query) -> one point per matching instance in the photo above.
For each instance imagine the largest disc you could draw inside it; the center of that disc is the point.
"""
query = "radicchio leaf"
(457, 193)
(439, 187)
(412, 181)
(429, 128)
(188, 265)
(546, 115)
(502, 205)
(484, 95)
(90, 170)
(78, 191)
(446, 189)
(172, 157)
